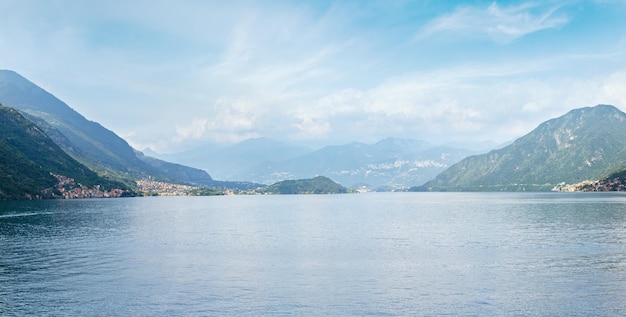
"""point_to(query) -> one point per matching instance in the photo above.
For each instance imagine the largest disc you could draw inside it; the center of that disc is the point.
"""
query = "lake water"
(421, 254)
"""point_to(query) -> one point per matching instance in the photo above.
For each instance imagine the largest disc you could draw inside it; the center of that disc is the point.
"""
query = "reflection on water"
(365, 254)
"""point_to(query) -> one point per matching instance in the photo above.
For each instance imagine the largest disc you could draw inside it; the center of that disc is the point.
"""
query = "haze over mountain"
(90, 143)
(389, 163)
(584, 144)
(233, 161)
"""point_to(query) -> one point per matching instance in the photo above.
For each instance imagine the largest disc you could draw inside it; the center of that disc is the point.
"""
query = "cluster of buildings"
(607, 185)
(153, 188)
(70, 189)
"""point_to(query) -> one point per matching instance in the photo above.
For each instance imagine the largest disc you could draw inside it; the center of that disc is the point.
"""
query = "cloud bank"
(171, 76)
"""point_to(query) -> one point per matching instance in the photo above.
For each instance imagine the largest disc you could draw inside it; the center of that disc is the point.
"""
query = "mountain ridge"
(32, 165)
(582, 144)
(389, 164)
(231, 161)
(92, 144)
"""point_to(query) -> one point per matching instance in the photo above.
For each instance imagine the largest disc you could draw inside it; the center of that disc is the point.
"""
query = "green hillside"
(586, 143)
(92, 144)
(316, 185)
(88, 142)
(28, 157)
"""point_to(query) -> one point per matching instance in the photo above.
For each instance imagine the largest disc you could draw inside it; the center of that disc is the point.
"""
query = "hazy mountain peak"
(403, 145)
(9, 76)
(17, 91)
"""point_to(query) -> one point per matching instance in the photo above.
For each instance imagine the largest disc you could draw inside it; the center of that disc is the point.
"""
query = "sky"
(173, 75)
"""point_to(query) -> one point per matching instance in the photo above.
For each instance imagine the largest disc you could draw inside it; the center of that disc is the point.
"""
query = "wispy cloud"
(500, 24)
(324, 71)
(497, 101)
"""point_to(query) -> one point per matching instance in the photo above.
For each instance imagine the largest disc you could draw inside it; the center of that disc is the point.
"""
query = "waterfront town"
(614, 184)
(151, 187)
(70, 189)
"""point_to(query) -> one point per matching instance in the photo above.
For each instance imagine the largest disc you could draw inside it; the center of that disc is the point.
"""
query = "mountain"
(316, 185)
(90, 143)
(195, 157)
(586, 143)
(30, 160)
(387, 164)
(232, 162)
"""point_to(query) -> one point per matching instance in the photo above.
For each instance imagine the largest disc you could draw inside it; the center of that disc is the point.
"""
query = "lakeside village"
(615, 184)
(150, 187)
(70, 189)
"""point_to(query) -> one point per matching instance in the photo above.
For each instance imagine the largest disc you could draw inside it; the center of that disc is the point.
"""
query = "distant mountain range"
(90, 143)
(45, 142)
(388, 164)
(233, 161)
(584, 144)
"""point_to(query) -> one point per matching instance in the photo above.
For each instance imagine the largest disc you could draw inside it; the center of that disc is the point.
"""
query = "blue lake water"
(419, 254)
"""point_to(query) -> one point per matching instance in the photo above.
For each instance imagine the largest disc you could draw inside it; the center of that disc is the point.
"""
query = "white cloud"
(195, 130)
(464, 103)
(311, 128)
(500, 24)
(339, 72)
(230, 121)
(613, 89)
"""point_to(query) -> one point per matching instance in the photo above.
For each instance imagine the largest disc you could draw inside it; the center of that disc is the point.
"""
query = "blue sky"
(172, 75)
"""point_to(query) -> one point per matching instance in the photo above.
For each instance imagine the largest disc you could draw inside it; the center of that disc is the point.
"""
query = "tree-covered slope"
(87, 141)
(99, 147)
(29, 158)
(316, 185)
(586, 143)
